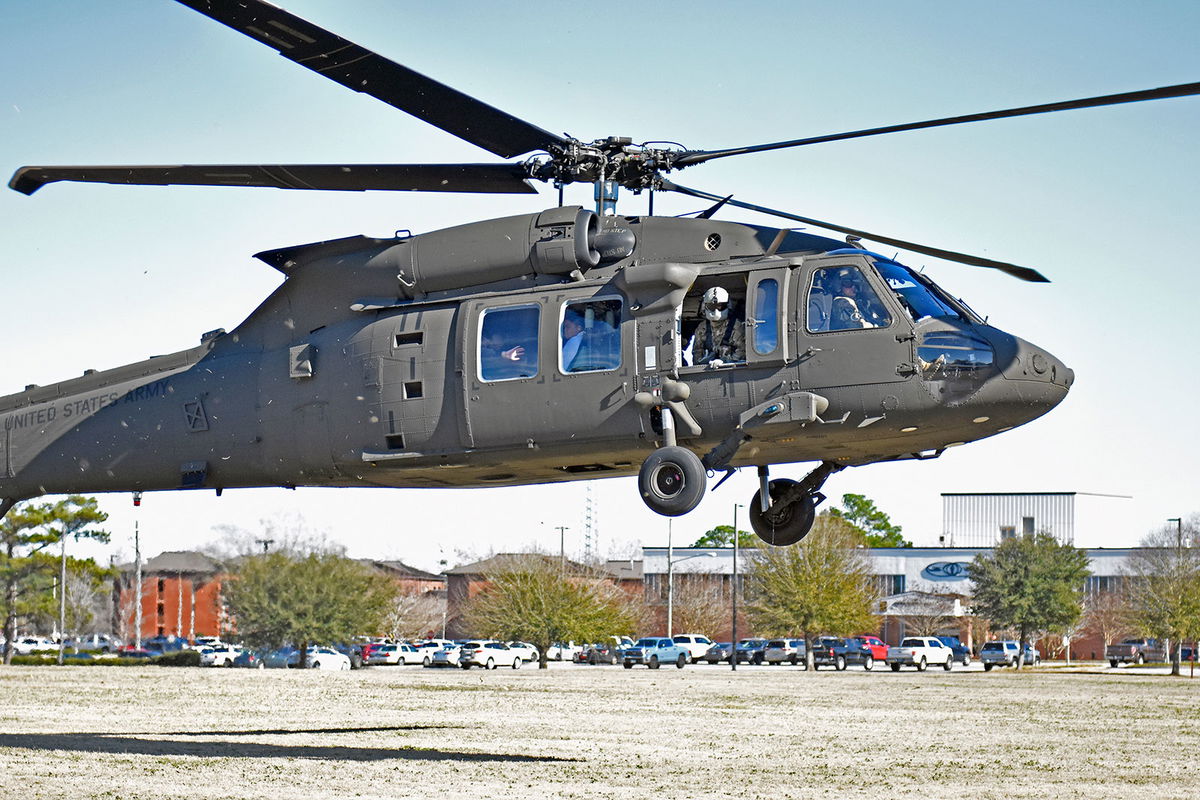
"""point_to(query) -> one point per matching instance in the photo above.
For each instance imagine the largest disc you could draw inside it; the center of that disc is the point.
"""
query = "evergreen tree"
(1030, 583)
(321, 598)
(861, 512)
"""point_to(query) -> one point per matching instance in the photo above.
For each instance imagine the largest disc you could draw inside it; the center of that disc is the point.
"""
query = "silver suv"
(654, 651)
(999, 654)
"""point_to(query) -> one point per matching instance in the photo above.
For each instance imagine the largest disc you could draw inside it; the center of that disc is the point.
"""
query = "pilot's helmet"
(715, 304)
(845, 279)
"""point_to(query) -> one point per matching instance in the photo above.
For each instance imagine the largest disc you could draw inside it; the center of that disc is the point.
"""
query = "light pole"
(733, 592)
(1178, 530)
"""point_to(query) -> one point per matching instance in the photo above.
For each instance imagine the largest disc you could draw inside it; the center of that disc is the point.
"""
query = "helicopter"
(389, 362)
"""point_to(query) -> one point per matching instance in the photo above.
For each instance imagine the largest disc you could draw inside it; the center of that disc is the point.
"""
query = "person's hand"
(716, 362)
(513, 354)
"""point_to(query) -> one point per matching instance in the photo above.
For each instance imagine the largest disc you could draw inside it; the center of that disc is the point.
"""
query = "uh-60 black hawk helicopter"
(552, 346)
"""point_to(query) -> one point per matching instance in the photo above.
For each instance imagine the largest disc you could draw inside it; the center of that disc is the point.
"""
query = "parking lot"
(583, 731)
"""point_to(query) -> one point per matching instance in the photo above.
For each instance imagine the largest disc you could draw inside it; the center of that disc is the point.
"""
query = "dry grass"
(594, 732)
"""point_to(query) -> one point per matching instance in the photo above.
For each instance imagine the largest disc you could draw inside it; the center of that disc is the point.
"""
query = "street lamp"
(733, 592)
(1178, 530)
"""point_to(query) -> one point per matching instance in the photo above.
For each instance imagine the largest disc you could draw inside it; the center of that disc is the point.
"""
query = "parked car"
(751, 651)
(103, 642)
(562, 651)
(249, 659)
(862, 650)
(718, 652)
(695, 644)
(962, 653)
(26, 645)
(219, 656)
(323, 658)
(598, 653)
(430, 647)
(282, 658)
(1033, 656)
(1135, 651)
(875, 644)
(829, 651)
(139, 652)
(780, 651)
(444, 657)
(396, 654)
(654, 651)
(920, 652)
(999, 654)
(529, 652)
(166, 644)
(489, 655)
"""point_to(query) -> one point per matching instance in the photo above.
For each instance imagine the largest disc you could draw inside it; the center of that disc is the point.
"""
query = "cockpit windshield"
(920, 298)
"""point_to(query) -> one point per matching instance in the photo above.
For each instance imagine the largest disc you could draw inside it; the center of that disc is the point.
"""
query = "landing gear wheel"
(672, 481)
(783, 524)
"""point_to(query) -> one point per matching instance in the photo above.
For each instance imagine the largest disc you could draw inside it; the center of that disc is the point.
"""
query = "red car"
(874, 644)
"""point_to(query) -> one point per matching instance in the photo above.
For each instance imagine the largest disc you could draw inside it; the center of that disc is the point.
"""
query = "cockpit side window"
(841, 299)
(590, 335)
(918, 297)
(508, 343)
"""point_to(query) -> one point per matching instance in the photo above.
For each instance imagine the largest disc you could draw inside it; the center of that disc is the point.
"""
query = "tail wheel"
(783, 524)
(672, 481)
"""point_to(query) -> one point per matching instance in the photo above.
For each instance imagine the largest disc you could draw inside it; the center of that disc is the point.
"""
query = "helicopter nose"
(1028, 362)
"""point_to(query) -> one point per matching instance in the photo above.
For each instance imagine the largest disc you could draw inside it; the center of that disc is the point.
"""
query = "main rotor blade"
(484, 178)
(362, 70)
(1024, 273)
(1180, 90)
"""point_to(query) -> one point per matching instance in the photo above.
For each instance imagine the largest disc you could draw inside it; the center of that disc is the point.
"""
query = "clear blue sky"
(1101, 201)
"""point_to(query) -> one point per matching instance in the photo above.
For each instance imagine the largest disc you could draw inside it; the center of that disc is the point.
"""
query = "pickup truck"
(920, 652)
(1135, 651)
(654, 651)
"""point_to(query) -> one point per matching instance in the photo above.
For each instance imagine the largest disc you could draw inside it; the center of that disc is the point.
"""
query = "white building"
(1081, 519)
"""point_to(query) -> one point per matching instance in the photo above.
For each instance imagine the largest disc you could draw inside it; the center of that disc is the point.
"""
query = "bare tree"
(699, 604)
(1165, 587)
(415, 616)
(1108, 615)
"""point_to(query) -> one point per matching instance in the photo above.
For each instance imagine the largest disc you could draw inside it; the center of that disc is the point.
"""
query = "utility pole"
(562, 546)
(266, 543)
(137, 612)
(670, 581)
(733, 593)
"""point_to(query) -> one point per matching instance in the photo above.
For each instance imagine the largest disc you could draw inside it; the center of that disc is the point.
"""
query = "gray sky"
(1101, 201)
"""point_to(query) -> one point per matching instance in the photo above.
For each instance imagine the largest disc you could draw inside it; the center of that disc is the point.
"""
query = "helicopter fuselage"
(438, 361)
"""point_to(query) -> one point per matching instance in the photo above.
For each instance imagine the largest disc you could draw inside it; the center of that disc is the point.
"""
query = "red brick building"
(180, 596)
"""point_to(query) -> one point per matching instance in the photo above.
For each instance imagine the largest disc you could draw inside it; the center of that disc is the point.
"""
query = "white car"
(528, 651)
(429, 648)
(221, 655)
(327, 658)
(32, 644)
(396, 654)
(489, 655)
(920, 652)
(562, 651)
(695, 644)
(445, 657)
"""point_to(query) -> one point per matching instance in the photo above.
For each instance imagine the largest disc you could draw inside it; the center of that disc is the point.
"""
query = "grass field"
(595, 732)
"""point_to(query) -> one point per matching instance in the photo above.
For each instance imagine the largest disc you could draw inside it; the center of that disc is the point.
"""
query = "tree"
(1030, 583)
(699, 604)
(1165, 588)
(823, 585)
(861, 512)
(1108, 615)
(27, 567)
(531, 598)
(321, 598)
(414, 616)
(722, 536)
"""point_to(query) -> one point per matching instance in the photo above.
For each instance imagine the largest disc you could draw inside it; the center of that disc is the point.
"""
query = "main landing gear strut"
(783, 510)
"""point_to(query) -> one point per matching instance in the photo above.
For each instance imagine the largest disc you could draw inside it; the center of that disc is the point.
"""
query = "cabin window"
(590, 335)
(508, 343)
(766, 317)
(841, 299)
(918, 297)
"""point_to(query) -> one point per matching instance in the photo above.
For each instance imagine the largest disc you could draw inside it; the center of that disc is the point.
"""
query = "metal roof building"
(1082, 519)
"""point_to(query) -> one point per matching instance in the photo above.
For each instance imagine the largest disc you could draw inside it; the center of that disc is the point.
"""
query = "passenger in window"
(502, 361)
(572, 338)
(721, 336)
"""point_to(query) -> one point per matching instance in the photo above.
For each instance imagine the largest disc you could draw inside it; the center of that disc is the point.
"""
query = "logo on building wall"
(946, 571)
